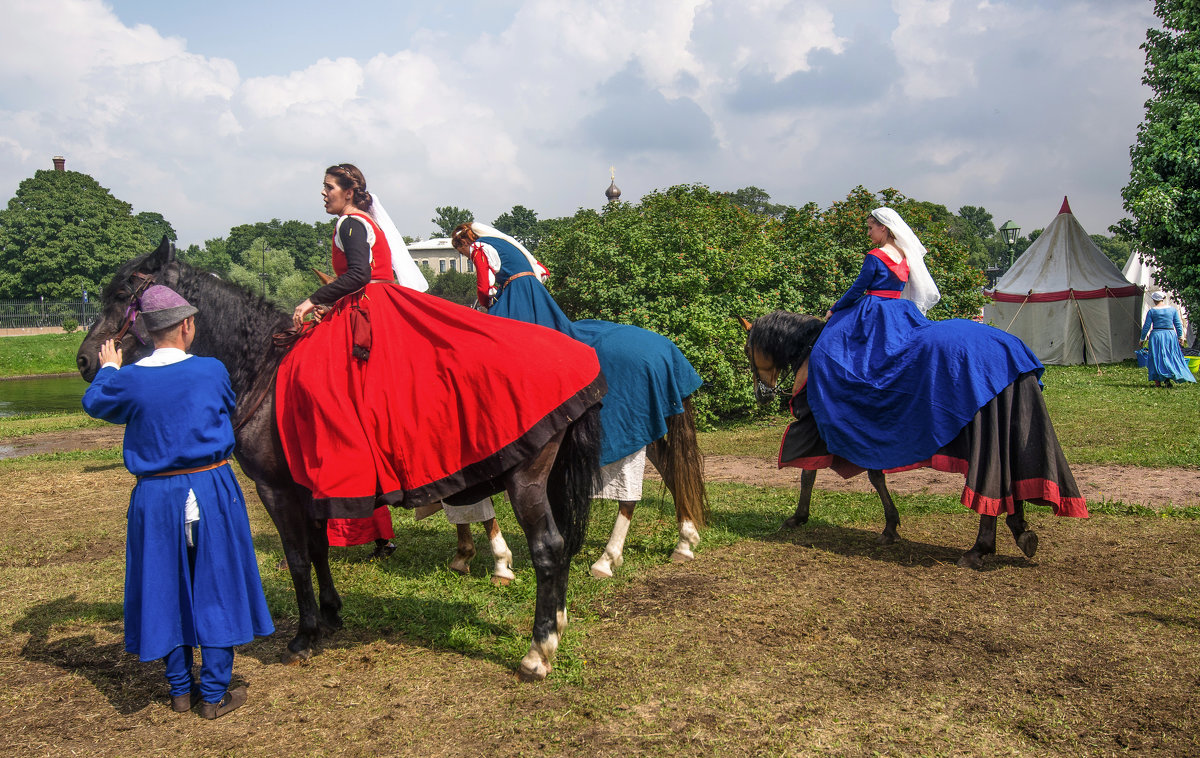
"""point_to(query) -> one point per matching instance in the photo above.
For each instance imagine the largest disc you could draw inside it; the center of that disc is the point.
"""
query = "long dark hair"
(348, 177)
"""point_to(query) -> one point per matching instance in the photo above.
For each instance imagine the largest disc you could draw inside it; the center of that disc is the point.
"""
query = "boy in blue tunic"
(191, 576)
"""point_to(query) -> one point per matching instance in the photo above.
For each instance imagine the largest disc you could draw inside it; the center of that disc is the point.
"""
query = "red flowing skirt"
(447, 399)
(1007, 452)
(348, 532)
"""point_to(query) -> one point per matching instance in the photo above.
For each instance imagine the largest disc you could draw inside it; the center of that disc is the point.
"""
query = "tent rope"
(1018, 313)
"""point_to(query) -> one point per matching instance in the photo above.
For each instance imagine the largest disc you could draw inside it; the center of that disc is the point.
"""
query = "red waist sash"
(884, 293)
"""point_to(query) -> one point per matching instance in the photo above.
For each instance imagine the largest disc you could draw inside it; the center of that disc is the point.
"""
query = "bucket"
(1193, 362)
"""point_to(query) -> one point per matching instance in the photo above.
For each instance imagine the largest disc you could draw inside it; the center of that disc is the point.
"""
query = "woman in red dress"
(402, 398)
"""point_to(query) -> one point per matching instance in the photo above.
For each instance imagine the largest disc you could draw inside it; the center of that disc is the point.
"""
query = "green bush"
(70, 325)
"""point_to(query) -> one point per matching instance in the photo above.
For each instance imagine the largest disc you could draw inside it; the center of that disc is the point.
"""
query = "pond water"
(43, 394)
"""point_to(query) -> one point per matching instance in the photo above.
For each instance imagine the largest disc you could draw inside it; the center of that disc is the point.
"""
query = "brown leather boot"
(233, 700)
(183, 703)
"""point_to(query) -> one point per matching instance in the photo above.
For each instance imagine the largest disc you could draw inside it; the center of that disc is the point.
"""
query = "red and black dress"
(408, 398)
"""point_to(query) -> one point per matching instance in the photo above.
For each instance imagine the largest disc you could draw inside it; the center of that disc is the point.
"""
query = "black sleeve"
(353, 236)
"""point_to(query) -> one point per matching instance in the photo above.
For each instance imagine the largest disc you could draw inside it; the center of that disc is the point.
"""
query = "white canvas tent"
(1066, 300)
(1142, 272)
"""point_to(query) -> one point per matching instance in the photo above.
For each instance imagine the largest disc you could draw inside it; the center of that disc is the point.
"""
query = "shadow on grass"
(421, 622)
(851, 541)
(127, 683)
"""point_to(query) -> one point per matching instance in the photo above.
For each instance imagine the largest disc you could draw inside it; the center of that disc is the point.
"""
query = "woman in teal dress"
(1165, 362)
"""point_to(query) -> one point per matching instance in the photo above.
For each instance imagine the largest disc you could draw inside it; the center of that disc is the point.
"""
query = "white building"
(438, 254)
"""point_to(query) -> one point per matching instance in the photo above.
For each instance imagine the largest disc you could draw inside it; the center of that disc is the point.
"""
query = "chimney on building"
(60, 163)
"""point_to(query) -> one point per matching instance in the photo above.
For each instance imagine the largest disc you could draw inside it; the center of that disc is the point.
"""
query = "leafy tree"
(522, 224)
(1163, 194)
(682, 262)
(1115, 249)
(155, 226)
(448, 217)
(756, 200)
(979, 220)
(455, 286)
(307, 243)
(63, 233)
(271, 271)
(214, 256)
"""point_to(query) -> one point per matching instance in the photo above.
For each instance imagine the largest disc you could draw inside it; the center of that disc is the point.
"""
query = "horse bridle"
(132, 309)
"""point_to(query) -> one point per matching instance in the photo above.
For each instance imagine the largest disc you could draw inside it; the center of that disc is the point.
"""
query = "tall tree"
(63, 233)
(1163, 194)
(271, 272)
(308, 244)
(155, 226)
(522, 224)
(448, 217)
(756, 200)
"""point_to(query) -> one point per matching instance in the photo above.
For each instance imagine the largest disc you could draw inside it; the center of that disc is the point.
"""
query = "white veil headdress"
(483, 230)
(403, 265)
(920, 288)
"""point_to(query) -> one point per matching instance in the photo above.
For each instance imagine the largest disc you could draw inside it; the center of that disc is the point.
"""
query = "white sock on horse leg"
(611, 557)
(503, 557)
(689, 537)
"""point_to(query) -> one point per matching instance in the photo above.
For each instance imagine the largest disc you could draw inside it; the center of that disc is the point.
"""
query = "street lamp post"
(1010, 231)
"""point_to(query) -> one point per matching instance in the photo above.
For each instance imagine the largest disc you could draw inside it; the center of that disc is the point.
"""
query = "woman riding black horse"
(365, 396)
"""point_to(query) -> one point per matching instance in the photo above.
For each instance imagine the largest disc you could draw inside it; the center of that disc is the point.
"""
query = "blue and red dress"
(889, 389)
(409, 398)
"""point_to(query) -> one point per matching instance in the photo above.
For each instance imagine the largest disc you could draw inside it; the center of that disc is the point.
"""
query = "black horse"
(1007, 450)
(550, 491)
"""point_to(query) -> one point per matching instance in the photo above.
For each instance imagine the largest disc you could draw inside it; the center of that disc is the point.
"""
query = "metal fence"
(31, 314)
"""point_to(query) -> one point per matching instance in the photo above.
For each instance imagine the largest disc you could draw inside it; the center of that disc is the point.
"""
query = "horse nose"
(85, 366)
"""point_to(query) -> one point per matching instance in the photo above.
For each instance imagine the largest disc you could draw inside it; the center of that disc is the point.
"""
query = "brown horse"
(550, 489)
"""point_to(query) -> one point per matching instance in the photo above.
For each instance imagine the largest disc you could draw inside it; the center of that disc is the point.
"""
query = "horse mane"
(234, 325)
(787, 338)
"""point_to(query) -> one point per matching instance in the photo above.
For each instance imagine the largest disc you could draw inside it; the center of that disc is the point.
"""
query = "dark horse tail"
(573, 479)
(677, 457)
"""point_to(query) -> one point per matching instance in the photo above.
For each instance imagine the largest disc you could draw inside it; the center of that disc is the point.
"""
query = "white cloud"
(955, 101)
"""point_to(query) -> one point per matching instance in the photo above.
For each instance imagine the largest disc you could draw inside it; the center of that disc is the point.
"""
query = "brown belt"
(515, 276)
(196, 470)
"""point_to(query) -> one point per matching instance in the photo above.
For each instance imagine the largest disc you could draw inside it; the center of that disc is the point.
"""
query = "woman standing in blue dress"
(1165, 362)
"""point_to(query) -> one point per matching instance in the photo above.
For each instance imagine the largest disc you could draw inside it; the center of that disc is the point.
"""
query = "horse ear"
(325, 278)
(745, 324)
(164, 254)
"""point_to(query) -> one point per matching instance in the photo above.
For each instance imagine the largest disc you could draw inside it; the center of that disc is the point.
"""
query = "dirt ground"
(809, 642)
(1128, 484)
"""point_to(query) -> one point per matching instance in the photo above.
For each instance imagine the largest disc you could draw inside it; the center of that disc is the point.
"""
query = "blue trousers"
(216, 669)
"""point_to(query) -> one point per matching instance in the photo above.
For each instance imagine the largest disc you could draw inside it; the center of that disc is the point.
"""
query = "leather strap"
(196, 470)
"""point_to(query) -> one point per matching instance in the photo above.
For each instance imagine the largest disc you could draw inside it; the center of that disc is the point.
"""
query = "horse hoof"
(291, 658)
(886, 539)
(1028, 542)
(529, 672)
(600, 571)
(501, 581)
(971, 560)
(460, 567)
(682, 556)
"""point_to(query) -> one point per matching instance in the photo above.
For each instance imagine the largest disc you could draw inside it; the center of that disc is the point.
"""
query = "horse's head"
(119, 310)
(778, 344)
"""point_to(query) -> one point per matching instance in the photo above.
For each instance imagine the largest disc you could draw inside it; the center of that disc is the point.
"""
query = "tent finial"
(1066, 208)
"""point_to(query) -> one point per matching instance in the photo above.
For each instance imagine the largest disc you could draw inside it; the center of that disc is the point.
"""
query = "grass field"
(32, 355)
(814, 641)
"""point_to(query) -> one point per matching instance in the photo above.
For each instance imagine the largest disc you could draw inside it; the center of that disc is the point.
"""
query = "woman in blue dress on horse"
(1165, 363)
(888, 387)
(648, 378)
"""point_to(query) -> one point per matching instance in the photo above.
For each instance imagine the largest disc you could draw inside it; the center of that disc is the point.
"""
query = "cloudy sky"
(223, 112)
